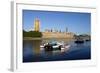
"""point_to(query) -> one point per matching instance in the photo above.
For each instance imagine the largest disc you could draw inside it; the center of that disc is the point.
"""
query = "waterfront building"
(36, 25)
(52, 33)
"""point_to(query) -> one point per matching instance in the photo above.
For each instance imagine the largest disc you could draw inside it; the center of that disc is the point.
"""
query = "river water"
(33, 53)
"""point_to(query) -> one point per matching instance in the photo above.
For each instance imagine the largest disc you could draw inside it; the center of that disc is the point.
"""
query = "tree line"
(32, 34)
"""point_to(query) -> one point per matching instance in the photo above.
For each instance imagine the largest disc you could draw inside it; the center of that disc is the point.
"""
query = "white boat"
(54, 46)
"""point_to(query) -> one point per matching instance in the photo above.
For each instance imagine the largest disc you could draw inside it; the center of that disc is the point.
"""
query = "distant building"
(52, 33)
(36, 25)
(63, 35)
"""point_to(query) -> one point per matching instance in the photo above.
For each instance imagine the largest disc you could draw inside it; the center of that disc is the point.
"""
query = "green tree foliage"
(32, 34)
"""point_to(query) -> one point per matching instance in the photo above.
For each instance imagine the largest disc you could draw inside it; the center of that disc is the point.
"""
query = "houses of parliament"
(50, 33)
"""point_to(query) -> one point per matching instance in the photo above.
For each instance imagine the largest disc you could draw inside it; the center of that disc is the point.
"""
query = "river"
(33, 53)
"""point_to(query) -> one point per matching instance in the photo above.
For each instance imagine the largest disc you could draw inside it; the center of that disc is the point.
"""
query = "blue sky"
(79, 23)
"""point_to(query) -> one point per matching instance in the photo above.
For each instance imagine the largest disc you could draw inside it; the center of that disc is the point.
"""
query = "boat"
(87, 40)
(79, 41)
(54, 46)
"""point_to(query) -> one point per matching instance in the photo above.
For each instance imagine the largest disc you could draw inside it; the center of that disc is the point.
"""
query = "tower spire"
(36, 24)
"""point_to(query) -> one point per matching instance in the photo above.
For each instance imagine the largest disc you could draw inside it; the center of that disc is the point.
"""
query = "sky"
(76, 22)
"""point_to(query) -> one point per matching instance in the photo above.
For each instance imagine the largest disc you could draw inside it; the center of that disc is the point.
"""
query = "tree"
(32, 34)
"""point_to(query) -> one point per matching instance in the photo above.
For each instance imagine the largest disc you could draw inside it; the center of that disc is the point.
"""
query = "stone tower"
(36, 25)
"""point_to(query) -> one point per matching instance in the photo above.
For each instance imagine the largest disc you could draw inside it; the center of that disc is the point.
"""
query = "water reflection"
(33, 53)
(36, 46)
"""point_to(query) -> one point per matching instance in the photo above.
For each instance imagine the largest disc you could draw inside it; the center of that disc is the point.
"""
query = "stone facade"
(57, 35)
(52, 33)
(36, 25)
